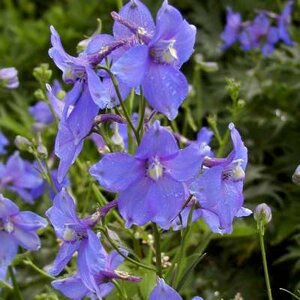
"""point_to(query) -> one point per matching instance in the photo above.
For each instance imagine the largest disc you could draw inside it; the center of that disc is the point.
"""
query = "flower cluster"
(264, 32)
(9, 78)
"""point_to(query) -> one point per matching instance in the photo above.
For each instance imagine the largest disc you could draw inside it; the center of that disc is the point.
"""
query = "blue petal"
(165, 88)
(135, 12)
(64, 255)
(28, 220)
(8, 249)
(98, 42)
(97, 90)
(187, 163)
(27, 239)
(157, 141)
(71, 287)
(7, 207)
(162, 291)
(204, 136)
(114, 259)
(116, 171)
(131, 67)
(63, 212)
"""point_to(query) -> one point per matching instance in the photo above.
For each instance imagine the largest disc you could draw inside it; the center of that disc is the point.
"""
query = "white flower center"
(155, 169)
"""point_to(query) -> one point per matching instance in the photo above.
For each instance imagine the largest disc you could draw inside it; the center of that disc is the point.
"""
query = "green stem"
(38, 270)
(142, 109)
(290, 293)
(112, 243)
(264, 260)
(17, 291)
(127, 117)
(157, 250)
(121, 292)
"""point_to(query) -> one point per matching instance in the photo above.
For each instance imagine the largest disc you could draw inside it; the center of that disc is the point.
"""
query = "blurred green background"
(269, 121)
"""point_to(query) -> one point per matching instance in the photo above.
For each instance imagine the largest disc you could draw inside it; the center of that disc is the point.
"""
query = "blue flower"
(17, 229)
(3, 143)
(232, 29)
(155, 58)
(219, 189)
(9, 78)
(151, 184)
(284, 21)
(19, 176)
(75, 234)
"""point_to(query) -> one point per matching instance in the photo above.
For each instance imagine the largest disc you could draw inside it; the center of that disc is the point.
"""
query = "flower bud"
(263, 213)
(42, 73)
(22, 143)
(42, 151)
(296, 176)
(9, 78)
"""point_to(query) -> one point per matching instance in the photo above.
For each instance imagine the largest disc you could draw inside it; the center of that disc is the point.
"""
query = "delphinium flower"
(259, 34)
(284, 21)
(19, 176)
(163, 291)
(219, 189)
(151, 184)
(165, 46)
(264, 32)
(97, 283)
(3, 143)
(17, 228)
(232, 29)
(75, 233)
(9, 78)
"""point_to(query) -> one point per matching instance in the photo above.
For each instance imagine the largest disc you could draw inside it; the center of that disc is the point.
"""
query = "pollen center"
(155, 169)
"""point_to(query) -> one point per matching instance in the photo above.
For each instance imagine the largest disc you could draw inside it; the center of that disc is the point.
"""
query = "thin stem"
(17, 291)
(127, 117)
(121, 292)
(112, 243)
(157, 250)
(290, 293)
(38, 270)
(142, 111)
(264, 259)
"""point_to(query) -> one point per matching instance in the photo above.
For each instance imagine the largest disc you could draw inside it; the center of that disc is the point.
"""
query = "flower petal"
(7, 207)
(165, 88)
(28, 220)
(162, 291)
(27, 239)
(116, 171)
(157, 141)
(8, 248)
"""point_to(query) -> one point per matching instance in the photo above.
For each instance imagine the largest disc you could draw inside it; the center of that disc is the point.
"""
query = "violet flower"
(284, 21)
(162, 291)
(3, 143)
(41, 113)
(232, 29)
(97, 283)
(161, 51)
(9, 78)
(19, 176)
(17, 229)
(151, 184)
(219, 189)
(75, 234)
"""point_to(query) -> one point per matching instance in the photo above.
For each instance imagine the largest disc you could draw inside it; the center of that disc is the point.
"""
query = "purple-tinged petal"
(3, 271)
(165, 88)
(204, 136)
(28, 220)
(64, 255)
(136, 12)
(9, 78)
(116, 171)
(57, 105)
(41, 112)
(72, 287)
(162, 291)
(7, 207)
(8, 248)
(154, 138)
(134, 203)
(27, 239)
(167, 197)
(3, 143)
(131, 67)
(187, 163)
(97, 90)
(63, 212)
(114, 259)
(243, 212)
(98, 42)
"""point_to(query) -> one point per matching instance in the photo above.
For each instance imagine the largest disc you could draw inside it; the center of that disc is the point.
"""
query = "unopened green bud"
(233, 87)
(42, 73)
(61, 95)
(241, 103)
(42, 151)
(263, 213)
(296, 176)
(23, 144)
(39, 94)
